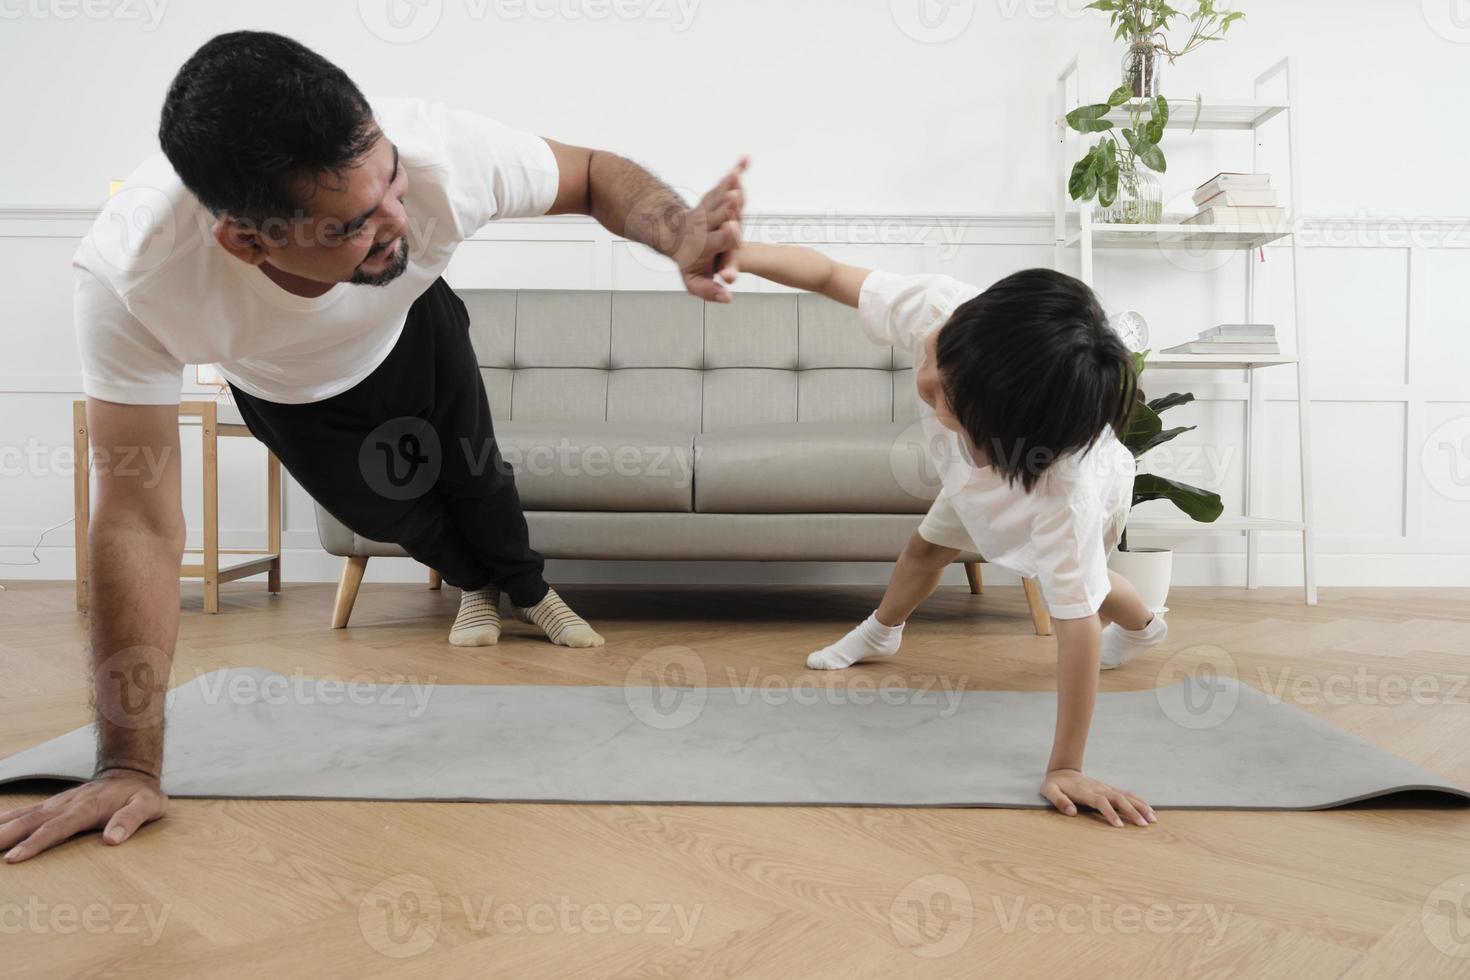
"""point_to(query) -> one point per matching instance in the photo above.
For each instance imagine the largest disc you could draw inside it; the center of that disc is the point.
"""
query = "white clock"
(1133, 328)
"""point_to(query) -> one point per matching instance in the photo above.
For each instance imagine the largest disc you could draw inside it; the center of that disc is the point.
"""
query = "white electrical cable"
(35, 549)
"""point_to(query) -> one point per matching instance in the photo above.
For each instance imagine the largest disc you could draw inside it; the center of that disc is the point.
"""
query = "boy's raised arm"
(804, 268)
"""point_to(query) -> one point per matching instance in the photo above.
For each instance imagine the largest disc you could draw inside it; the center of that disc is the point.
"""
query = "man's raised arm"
(629, 201)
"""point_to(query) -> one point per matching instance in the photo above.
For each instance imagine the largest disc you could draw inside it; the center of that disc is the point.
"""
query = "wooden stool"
(216, 419)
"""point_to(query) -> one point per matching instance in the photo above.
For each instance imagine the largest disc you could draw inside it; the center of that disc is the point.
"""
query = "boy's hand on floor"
(1067, 789)
(116, 801)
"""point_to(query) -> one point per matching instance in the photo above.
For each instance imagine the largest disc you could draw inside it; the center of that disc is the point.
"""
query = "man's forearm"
(134, 623)
(1078, 647)
(627, 200)
(630, 201)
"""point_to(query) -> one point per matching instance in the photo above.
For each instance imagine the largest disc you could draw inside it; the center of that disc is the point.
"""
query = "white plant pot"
(1149, 569)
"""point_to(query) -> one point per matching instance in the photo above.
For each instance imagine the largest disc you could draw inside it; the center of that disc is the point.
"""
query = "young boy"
(1024, 388)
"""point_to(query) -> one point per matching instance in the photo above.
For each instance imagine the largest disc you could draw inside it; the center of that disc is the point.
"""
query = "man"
(294, 234)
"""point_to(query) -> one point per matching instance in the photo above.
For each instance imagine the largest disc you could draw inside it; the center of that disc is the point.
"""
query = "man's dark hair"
(252, 113)
(1032, 370)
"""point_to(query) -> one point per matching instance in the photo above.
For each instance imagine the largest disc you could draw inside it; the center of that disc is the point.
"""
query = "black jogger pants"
(408, 456)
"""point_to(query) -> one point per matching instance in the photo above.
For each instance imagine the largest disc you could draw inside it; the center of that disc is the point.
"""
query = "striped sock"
(561, 626)
(478, 622)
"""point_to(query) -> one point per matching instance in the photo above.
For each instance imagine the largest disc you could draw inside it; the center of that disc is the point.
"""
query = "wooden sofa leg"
(352, 571)
(972, 572)
(1040, 619)
(435, 582)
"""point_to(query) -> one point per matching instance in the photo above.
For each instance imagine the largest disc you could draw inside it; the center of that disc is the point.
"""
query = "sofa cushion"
(599, 465)
(814, 468)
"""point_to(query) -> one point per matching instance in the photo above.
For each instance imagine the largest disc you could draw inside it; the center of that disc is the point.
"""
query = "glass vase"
(1140, 199)
(1141, 64)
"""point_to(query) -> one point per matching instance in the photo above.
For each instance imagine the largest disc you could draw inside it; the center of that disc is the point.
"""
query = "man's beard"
(393, 271)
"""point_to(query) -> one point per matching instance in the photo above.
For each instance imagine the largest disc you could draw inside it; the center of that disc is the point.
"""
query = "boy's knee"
(929, 553)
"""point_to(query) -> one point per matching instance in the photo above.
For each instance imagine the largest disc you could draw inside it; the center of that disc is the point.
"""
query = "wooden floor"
(285, 889)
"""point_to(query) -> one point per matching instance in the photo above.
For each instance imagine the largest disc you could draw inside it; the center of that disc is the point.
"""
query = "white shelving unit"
(1075, 229)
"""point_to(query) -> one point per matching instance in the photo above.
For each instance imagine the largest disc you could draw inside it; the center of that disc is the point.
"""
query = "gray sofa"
(654, 426)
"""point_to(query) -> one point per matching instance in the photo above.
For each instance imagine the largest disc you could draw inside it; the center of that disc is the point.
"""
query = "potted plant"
(1116, 173)
(1144, 23)
(1150, 569)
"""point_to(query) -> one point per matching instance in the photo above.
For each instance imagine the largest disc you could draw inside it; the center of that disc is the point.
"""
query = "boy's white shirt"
(1062, 531)
(155, 291)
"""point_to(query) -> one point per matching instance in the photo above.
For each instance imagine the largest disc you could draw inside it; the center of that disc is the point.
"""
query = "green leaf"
(1160, 119)
(1088, 118)
(1152, 156)
(1144, 426)
(1168, 435)
(1089, 181)
(1120, 95)
(1107, 188)
(1201, 505)
(1199, 109)
(1078, 179)
(1166, 402)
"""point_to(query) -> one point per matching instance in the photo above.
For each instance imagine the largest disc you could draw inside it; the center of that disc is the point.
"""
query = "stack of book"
(1237, 199)
(1232, 340)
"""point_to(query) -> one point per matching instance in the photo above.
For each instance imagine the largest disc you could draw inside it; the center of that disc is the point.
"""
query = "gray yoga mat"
(1204, 743)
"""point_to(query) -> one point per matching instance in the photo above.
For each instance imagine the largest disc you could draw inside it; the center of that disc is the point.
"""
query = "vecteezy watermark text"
(401, 916)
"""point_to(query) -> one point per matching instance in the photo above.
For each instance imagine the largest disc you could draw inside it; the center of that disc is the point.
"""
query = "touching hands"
(707, 237)
(1066, 789)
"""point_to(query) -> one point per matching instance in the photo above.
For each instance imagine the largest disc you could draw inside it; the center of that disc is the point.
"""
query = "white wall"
(838, 106)
(846, 115)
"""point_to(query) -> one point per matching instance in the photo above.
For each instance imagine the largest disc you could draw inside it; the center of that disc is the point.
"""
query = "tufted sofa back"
(668, 359)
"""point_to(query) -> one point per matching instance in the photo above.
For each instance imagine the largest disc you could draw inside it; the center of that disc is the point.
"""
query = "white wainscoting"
(1384, 302)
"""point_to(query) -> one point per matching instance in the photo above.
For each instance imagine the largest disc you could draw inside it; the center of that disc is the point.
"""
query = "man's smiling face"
(355, 229)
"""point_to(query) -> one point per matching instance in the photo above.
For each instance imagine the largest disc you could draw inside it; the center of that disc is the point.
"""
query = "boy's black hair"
(250, 113)
(1032, 370)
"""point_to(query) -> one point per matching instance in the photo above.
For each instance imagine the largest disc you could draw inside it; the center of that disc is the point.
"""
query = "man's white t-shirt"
(155, 291)
(1062, 531)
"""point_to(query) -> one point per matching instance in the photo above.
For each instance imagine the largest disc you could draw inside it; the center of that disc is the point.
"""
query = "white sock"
(478, 622)
(871, 640)
(1120, 646)
(561, 626)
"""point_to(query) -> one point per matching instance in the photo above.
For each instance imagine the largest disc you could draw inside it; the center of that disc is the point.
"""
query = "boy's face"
(931, 387)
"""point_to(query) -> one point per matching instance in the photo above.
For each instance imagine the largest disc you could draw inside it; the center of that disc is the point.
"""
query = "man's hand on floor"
(119, 800)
